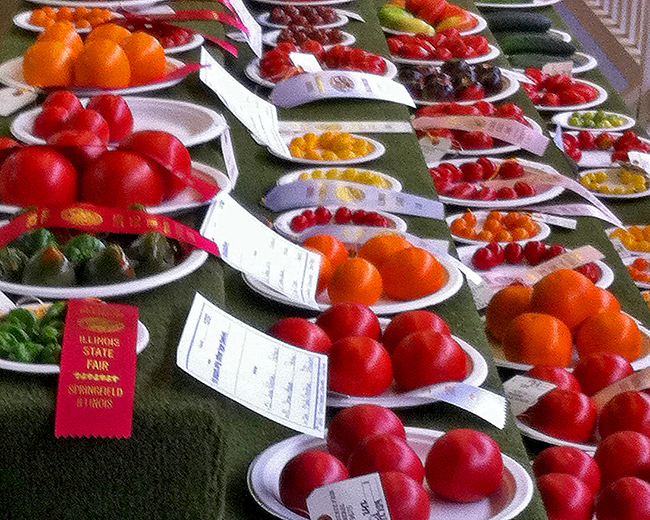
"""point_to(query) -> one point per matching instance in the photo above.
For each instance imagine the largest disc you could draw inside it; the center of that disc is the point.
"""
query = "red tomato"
(64, 99)
(627, 498)
(80, 147)
(406, 323)
(405, 498)
(425, 358)
(623, 454)
(49, 121)
(302, 333)
(567, 459)
(625, 411)
(304, 473)
(385, 452)
(464, 465)
(559, 376)
(37, 176)
(349, 319)
(565, 496)
(7, 147)
(359, 366)
(119, 179)
(563, 414)
(91, 121)
(601, 369)
(351, 425)
(116, 112)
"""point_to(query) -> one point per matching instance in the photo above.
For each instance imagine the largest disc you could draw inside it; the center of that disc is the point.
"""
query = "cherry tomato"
(405, 498)
(64, 99)
(472, 171)
(623, 454)
(349, 319)
(116, 112)
(302, 333)
(567, 459)
(559, 376)
(351, 425)
(510, 170)
(565, 496)
(552, 251)
(342, 216)
(625, 411)
(599, 370)
(323, 215)
(586, 140)
(506, 193)
(483, 259)
(513, 253)
(523, 189)
(299, 223)
(628, 498)
(385, 452)
(359, 366)
(534, 251)
(498, 251)
(409, 322)
(464, 465)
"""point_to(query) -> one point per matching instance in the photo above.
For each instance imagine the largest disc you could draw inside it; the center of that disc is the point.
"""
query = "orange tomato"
(505, 306)
(64, 32)
(102, 63)
(330, 246)
(412, 273)
(110, 31)
(48, 63)
(325, 272)
(377, 249)
(609, 332)
(146, 57)
(607, 301)
(355, 280)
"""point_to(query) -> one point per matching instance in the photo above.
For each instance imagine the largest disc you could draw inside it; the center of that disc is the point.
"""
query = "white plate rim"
(298, 443)
(629, 260)
(303, 2)
(196, 41)
(599, 100)
(252, 72)
(532, 433)
(607, 152)
(453, 285)
(509, 90)
(562, 119)
(271, 39)
(490, 55)
(263, 19)
(565, 36)
(480, 26)
(11, 75)
(621, 196)
(96, 3)
(22, 20)
(544, 230)
(290, 177)
(530, 5)
(588, 62)
(25, 119)
(378, 151)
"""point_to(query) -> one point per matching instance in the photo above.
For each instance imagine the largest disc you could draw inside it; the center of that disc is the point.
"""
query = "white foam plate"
(510, 499)
(622, 196)
(271, 39)
(523, 5)
(562, 119)
(565, 36)
(511, 86)
(111, 4)
(11, 74)
(544, 230)
(252, 72)
(295, 176)
(481, 24)
(196, 41)
(548, 194)
(581, 62)
(382, 306)
(378, 151)
(490, 55)
(532, 433)
(265, 20)
(22, 20)
(599, 100)
(303, 2)
(192, 124)
(600, 158)
(629, 261)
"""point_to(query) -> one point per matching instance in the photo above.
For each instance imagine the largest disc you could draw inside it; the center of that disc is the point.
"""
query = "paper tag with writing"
(639, 380)
(522, 78)
(482, 293)
(434, 152)
(306, 60)
(326, 84)
(558, 67)
(357, 127)
(251, 247)
(640, 159)
(254, 36)
(13, 99)
(287, 384)
(523, 392)
(507, 130)
(229, 156)
(576, 210)
(97, 379)
(569, 260)
(554, 220)
(351, 14)
(354, 498)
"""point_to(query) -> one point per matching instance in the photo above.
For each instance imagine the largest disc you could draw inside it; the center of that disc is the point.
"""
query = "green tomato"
(575, 121)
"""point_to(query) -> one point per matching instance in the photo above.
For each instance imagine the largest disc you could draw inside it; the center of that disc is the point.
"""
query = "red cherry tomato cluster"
(619, 146)
(298, 35)
(445, 44)
(169, 35)
(276, 65)
(303, 15)
(557, 90)
(464, 182)
(343, 215)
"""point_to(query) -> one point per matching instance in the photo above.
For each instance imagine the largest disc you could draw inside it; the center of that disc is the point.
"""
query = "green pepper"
(153, 253)
(49, 267)
(12, 263)
(109, 265)
(81, 248)
(31, 241)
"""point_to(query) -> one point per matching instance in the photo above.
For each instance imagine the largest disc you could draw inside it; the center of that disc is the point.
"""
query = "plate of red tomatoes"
(561, 92)
(425, 50)
(320, 17)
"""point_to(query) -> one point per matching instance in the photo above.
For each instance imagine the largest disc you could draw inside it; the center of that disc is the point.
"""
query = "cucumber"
(521, 61)
(521, 22)
(521, 43)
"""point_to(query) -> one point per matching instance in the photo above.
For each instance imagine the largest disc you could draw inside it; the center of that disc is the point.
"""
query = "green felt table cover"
(191, 447)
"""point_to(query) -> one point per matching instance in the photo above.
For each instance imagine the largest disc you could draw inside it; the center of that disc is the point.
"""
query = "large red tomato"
(119, 179)
(464, 465)
(7, 147)
(596, 371)
(116, 113)
(359, 366)
(623, 454)
(349, 319)
(408, 322)
(385, 452)
(37, 176)
(628, 498)
(302, 333)
(80, 147)
(626, 411)
(565, 496)
(405, 498)
(567, 459)
(90, 121)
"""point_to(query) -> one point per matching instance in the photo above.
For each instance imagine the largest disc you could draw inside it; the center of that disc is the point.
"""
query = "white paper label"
(640, 159)
(433, 152)
(577, 210)
(358, 127)
(254, 36)
(554, 220)
(569, 260)
(287, 384)
(229, 156)
(637, 381)
(256, 114)
(13, 99)
(159, 9)
(359, 498)
(482, 293)
(306, 61)
(559, 67)
(251, 247)
(523, 392)
(351, 14)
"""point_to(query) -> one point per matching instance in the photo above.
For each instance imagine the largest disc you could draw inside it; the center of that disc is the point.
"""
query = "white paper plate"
(252, 72)
(303, 2)
(265, 20)
(524, 5)
(381, 307)
(544, 230)
(562, 119)
(22, 20)
(196, 41)
(295, 176)
(378, 151)
(581, 62)
(510, 499)
(11, 74)
(564, 36)
(599, 100)
(111, 4)
(621, 196)
(193, 261)
(271, 39)
(490, 55)
(192, 124)
(532, 433)
(600, 158)
(480, 26)
(629, 261)
(511, 87)
(549, 194)
(47, 368)
(282, 222)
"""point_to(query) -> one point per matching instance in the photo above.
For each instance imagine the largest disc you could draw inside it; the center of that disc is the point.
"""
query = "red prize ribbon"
(97, 379)
(93, 219)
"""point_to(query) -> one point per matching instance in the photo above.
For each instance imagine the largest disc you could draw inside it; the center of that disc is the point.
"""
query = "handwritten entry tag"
(639, 380)
(306, 60)
(253, 33)
(559, 67)
(523, 392)
(13, 99)
(569, 260)
(287, 384)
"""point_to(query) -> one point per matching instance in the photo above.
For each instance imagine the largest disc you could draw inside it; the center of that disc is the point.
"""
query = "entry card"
(229, 157)
(254, 31)
(523, 392)
(287, 384)
(559, 67)
(259, 116)
(253, 248)
(306, 60)
(13, 99)
(305, 88)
